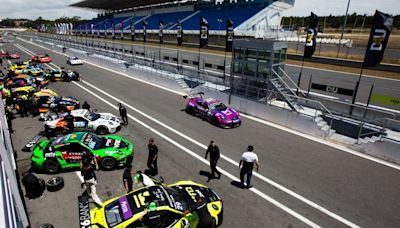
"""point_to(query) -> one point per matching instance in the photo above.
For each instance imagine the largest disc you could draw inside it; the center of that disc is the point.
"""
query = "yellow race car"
(157, 205)
(19, 66)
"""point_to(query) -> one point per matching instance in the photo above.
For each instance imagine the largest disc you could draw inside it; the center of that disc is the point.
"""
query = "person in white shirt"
(246, 166)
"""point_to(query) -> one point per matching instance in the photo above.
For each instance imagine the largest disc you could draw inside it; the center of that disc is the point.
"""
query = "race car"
(31, 70)
(62, 75)
(168, 206)
(19, 66)
(26, 80)
(65, 152)
(42, 58)
(74, 61)
(47, 101)
(24, 90)
(212, 110)
(8, 55)
(84, 120)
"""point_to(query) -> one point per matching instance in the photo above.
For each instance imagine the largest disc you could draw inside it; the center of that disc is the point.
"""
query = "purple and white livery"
(212, 110)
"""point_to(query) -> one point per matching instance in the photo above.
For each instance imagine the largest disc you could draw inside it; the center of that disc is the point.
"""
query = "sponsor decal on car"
(126, 210)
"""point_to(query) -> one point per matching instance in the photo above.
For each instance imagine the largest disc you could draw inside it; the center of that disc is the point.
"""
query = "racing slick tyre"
(101, 130)
(108, 163)
(45, 225)
(190, 110)
(55, 184)
(51, 166)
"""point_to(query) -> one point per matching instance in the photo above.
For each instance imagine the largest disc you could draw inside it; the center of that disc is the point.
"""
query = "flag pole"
(301, 72)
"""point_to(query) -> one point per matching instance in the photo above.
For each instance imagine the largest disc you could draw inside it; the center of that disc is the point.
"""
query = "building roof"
(118, 4)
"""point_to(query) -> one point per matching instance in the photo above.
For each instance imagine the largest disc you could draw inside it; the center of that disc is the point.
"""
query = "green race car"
(66, 151)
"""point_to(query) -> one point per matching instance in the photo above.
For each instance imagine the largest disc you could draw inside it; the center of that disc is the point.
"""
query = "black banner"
(204, 27)
(311, 39)
(229, 35)
(161, 32)
(179, 33)
(132, 30)
(113, 30)
(378, 39)
(122, 30)
(332, 89)
(144, 31)
(105, 30)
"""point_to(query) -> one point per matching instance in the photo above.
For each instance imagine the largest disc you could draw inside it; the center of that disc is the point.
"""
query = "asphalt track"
(344, 189)
(383, 86)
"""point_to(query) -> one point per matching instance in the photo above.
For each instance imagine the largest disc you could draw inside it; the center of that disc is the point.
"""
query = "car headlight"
(120, 152)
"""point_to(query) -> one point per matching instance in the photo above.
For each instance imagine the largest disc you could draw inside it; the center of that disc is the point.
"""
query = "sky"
(53, 9)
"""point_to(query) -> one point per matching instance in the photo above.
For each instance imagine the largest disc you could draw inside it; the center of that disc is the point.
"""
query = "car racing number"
(113, 143)
(193, 192)
(140, 199)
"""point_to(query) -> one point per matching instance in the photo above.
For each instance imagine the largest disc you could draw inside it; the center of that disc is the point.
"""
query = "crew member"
(70, 122)
(213, 150)
(247, 165)
(86, 106)
(123, 114)
(127, 178)
(153, 156)
(88, 166)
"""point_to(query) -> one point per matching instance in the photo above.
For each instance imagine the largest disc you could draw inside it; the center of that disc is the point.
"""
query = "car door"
(72, 154)
(202, 108)
(80, 123)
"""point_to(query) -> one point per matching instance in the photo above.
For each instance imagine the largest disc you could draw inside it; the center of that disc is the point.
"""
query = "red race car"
(41, 58)
(10, 56)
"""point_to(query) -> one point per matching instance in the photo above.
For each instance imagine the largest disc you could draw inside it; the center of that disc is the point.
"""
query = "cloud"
(52, 9)
(338, 7)
(48, 9)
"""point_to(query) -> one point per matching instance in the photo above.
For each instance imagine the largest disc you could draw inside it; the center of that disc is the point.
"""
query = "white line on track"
(312, 138)
(78, 173)
(188, 151)
(269, 181)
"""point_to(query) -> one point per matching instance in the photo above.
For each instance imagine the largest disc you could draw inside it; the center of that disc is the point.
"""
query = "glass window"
(283, 55)
(251, 54)
(238, 53)
(250, 68)
(264, 56)
(237, 67)
(276, 56)
(263, 70)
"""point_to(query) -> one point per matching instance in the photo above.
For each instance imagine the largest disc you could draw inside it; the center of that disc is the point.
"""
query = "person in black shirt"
(200, 207)
(127, 178)
(153, 156)
(213, 150)
(86, 106)
(70, 122)
(123, 114)
(88, 166)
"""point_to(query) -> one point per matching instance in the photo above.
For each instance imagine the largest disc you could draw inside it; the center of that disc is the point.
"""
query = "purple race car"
(212, 110)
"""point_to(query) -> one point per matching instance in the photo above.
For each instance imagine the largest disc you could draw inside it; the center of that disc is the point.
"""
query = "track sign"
(84, 212)
(378, 38)
(311, 39)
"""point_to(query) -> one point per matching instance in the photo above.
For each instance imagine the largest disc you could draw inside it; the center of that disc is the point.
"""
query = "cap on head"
(211, 142)
(250, 148)
(151, 140)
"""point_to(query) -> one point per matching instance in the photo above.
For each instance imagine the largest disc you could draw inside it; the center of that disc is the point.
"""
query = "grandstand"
(250, 17)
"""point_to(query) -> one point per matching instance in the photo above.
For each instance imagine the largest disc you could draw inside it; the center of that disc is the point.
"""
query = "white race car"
(84, 120)
(74, 61)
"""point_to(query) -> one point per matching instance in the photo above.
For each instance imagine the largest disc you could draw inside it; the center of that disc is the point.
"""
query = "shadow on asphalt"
(236, 184)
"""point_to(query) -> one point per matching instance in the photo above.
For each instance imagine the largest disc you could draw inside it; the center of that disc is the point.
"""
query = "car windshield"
(178, 199)
(217, 106)
(94, 142)
(92, 116)
(113, 213)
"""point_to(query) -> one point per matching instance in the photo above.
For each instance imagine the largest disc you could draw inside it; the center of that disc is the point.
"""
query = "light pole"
(344, 26)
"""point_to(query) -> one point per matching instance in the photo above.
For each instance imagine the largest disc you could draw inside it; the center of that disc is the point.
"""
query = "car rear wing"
(193, 95)
(32, 143)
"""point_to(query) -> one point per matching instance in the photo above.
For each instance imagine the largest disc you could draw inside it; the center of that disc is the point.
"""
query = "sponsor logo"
(84, 215)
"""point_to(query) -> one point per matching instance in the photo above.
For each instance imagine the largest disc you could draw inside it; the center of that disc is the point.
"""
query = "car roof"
(73, 137)
(211, 100)
(79, 112)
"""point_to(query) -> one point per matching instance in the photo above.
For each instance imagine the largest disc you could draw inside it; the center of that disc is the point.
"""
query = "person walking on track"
(88, 167)
(213, 150)
(123, 114)
(153, 156)
(246, 165)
